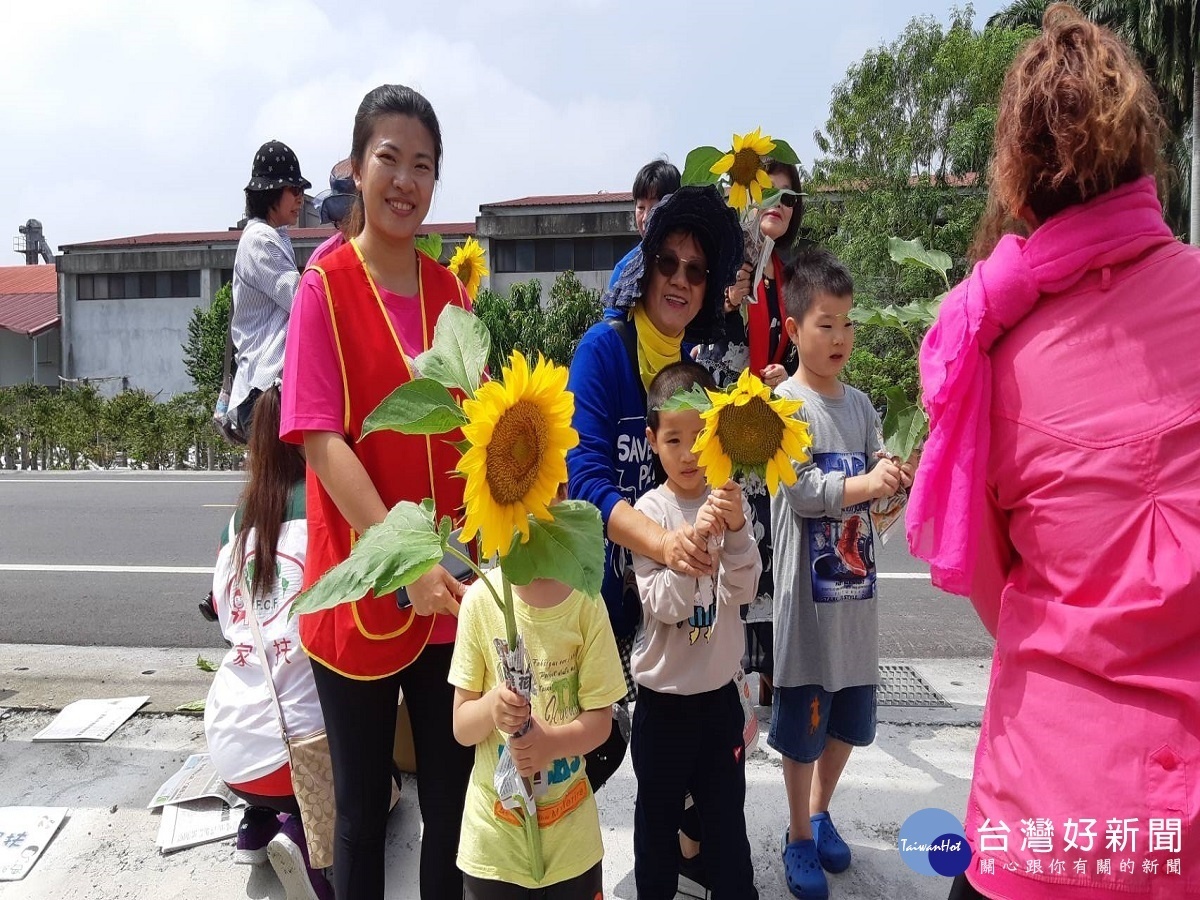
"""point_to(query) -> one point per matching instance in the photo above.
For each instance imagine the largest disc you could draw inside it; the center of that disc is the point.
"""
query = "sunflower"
(748, 430)
(469, 265)
(745, 168)
(520, 431)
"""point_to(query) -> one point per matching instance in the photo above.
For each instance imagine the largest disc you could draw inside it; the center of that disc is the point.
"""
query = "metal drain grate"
(901, 685)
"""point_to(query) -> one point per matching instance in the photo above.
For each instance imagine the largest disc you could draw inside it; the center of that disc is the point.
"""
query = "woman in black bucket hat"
(264, 276)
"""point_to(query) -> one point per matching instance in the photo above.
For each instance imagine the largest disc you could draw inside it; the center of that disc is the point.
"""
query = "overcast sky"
(125, 117)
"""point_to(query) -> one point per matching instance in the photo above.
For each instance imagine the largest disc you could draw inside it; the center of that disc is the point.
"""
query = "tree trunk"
(1194, 230)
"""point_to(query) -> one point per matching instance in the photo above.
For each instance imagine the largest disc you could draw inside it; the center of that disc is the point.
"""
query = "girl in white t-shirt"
(259, 572)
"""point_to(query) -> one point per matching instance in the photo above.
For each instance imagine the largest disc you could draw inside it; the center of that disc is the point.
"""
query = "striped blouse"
(264, 282)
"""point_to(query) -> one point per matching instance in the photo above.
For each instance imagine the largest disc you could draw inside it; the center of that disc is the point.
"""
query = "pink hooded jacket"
(1086, 563)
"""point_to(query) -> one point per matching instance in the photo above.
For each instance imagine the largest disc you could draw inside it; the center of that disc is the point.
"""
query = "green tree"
(204, 351)
(904, 150)
(1165, 35)
(520, 321)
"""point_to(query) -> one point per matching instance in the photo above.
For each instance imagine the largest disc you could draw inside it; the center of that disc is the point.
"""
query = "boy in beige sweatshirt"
(688, 721)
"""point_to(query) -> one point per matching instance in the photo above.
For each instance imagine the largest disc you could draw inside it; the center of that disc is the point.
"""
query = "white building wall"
(132, 343)
(16, 358)
(501, 283)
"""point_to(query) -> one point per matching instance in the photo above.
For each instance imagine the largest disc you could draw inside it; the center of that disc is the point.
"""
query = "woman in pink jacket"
(1060, 489)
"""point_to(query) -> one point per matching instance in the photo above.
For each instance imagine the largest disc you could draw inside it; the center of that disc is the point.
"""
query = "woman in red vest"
(360, 317)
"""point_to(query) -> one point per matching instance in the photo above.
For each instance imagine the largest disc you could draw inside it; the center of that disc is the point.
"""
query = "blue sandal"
(832, 850)
(805, 877)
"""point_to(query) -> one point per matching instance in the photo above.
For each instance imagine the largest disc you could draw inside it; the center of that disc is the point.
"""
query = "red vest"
(372, 638)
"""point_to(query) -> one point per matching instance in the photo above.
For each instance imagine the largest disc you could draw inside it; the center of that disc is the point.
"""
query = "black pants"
(588, 886)
(360, 719)
(691, 743)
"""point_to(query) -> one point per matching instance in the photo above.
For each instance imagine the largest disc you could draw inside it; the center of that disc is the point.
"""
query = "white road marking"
(219, 505)
(108, 570)
(904, 576)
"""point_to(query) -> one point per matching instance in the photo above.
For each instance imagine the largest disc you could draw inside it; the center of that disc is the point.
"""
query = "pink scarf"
(947, 500)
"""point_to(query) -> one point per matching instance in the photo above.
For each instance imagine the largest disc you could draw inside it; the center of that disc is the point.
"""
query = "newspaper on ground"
(24, 833)
(195, 822)
(197, 778)
(91, 720)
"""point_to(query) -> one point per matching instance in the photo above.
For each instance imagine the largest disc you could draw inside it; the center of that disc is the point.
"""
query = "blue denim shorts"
(802, 716)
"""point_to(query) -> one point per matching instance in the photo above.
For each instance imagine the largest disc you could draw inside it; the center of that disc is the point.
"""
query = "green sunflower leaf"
(784, 153)
(914, 253)
(697, 169)
(387, 557)
(569, 549)
(205, 665)
(461, 344)
(694, 398)
(196, 706)
(423, 406)
(905, 426)
(430, 245)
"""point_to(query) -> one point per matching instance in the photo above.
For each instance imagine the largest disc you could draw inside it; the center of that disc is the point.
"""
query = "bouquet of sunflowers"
(517, 433)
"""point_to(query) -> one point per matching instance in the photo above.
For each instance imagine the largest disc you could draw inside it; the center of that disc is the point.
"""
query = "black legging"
(360, 719)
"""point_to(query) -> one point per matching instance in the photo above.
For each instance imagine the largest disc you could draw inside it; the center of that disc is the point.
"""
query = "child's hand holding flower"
(709, 523)
(533, 751)
(510, 710)
(726, 501)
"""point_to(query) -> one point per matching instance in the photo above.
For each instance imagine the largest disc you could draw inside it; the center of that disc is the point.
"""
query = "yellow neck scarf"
(655, 350)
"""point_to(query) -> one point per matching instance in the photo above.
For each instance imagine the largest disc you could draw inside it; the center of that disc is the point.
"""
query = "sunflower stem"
(462, 557)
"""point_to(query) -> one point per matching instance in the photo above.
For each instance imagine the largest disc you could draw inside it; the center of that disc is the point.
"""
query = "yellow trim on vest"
(337, 342)
(344, 674)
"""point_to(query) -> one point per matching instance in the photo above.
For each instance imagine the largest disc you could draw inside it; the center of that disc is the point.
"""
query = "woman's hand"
(509, 709)
(437, 591)
(774, 375)
(686, 552)
(736, 293)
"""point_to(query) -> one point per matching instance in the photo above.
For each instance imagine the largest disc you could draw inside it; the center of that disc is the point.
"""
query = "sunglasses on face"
(788, 200)
(668, 265)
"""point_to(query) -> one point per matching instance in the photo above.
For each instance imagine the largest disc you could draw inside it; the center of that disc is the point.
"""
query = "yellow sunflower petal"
(722, 165)
(763, 179)
(756, 191)
(762, 144)
(786, 471)
(738, 143)
(737, 197)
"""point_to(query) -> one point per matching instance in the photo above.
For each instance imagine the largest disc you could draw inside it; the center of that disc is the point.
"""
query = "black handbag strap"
(628, 334)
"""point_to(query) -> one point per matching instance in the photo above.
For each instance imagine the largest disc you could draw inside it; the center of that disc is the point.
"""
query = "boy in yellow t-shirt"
(577, 676)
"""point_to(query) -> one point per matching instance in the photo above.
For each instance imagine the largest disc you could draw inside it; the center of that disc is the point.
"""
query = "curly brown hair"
(1077, 117)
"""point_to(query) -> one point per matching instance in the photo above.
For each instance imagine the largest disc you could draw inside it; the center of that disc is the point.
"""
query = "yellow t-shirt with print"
(576, 668)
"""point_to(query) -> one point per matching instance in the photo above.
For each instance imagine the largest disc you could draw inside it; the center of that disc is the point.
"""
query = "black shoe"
(693, 880)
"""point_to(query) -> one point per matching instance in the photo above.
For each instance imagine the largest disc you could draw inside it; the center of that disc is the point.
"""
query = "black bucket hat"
(276, 166)
(702, 212)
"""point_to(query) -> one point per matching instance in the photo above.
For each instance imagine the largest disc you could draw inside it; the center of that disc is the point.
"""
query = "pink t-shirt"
(312, 398)
(312, 391)
(330, 244)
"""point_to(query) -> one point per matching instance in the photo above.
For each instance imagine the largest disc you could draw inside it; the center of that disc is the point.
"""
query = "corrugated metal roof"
(232, 236)
(30, 313)
(28, 279)
(568, 199)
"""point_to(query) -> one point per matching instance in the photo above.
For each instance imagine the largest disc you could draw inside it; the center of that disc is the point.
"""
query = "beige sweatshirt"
(692, 643)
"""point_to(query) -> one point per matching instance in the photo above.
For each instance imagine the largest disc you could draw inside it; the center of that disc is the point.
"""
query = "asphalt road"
(134, 536)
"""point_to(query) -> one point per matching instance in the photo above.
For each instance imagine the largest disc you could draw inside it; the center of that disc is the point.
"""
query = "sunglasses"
(788, 200)
(668, 265)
